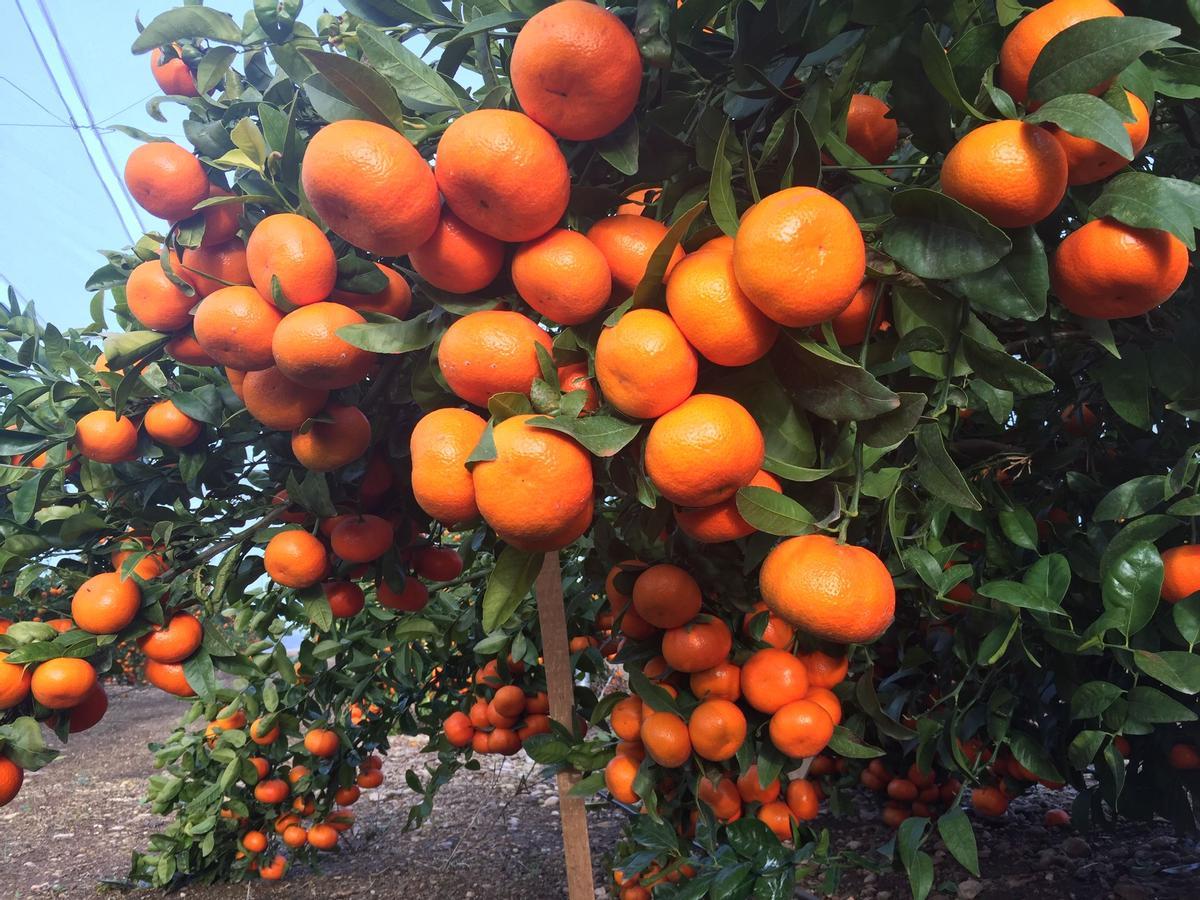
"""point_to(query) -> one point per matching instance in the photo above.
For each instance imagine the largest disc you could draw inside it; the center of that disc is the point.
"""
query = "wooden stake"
(560, 685)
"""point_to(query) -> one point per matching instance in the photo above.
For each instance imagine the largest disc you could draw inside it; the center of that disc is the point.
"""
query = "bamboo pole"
(560, 685)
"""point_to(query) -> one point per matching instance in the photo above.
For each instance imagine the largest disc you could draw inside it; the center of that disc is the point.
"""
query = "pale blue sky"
(68, 61)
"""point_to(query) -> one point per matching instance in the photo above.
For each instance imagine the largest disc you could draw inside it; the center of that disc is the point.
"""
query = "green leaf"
(1004, 371)
(199, 672)
(920, 874)
(893, 428)
(26, 499)
(187, 22)
(1134, 497)
(1013, 593)
(833, 387)
(1153, 707)
(390, 337)
(771, 512)
(317, 609)
(509, 584)
(1186, 614)
(1089, 53)
(1016, 286)
(937, 472)
(602, 436)
(212, 68)
(936, 64)
(619, 148)
(934, 236)
(1149, 201)
(359, 276)
(959, 838)
(359, 85)
(485, 450)
(650, 288)
(1086, 116)
(1018, 526)
(412, 78)
(202, 404)
(1130, 587)
(1126, 386)
(507, 404)
(125, 348)
(995, 643)
(1176, 669)
(848, 744)
(1050, 577)
(276, 17)
(721, 202)
(1033, 756)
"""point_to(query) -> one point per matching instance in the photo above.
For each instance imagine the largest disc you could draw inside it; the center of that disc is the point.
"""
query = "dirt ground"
(494, 834)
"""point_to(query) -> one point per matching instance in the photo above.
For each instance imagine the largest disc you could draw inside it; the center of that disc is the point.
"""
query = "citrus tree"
(837, 358)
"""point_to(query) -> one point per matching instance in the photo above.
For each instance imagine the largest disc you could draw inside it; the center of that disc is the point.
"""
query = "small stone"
(550, 801)
(1076, 847)
(869, 878)
(884, 895)
(1048, 858)
(853, 845)
(1162, 842)
(1127, 890)
(969, 889)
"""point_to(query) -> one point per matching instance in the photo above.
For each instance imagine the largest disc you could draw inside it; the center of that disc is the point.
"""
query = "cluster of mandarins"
(502, 715)
(285, 796)
(725, 691)
(917, 793)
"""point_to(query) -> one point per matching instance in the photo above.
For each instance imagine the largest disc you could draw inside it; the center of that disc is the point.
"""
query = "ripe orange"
(1181, 572)
(621, 603)
(850, 325)
(1030, 36)
(801, 728)
(666, 739)
(106, 603)
(717, 729)
(103, 437)
(272, 791)
(626, 718)
(722, 682)
(347, 796)
(458, 258)
(1108, 270)
(289, 249)
(490, 352)
(869, 131)
(156, 301)
(345, 598)
(576, 70)
(62, 683)
(722, 521)
(627, 243)
(710, 309)
(278, 402)
(1088, 161)
(799, 256)
(777, 633)
(537, 492)
(1012, 173)
(411, 598)
(370, 186)
(169, 425)
(828, 701)
(168, 677)
(212, 267)
(752, 790)
(11, 778)
(825, 671)
(322, 836)
(703, 450)
(619, 775)
(772, 678)
(1056, 818)
(834, 591)
(803, 799)
(14, 682)
(275, 870)
(1183, 757)
(254, 841)
(235, 325)
(636, 202)
(261, 735)
(458, 729)
(172, 74)
(295, 559)
(437, 563)
(441, 483)
(644, 364)
(174, 641)
(722, 797)
(502, 174)
(503, 741)
(165, 179)
(989, 801)
(236, 378)
(633, 749)
(222, 220)
(333, 444)
(394, 300)
(562, 275)
(575, 377)
(321, 742)
(697, 646)
(666, 596)
(308, 350)
(185, 349)
(361, 539)
(776, 816)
